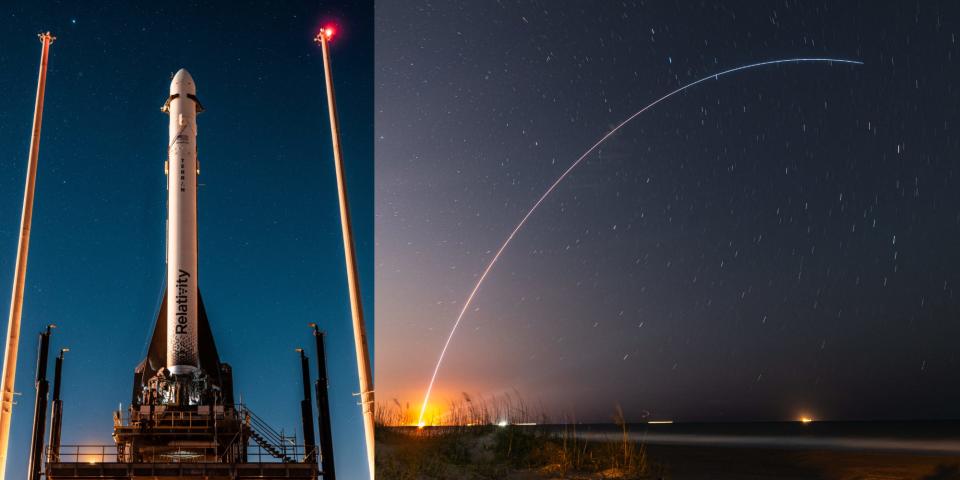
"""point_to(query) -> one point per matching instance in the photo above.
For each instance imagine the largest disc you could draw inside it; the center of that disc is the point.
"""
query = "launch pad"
(182, 420)
(219, 442)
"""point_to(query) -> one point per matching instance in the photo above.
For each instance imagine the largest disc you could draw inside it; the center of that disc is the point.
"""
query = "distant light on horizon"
(806, 420)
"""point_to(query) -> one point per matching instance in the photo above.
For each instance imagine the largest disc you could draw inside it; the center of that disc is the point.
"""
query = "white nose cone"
(182, 83)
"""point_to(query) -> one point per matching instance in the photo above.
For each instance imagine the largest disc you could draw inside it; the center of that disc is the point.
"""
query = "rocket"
(182, 169)
(182, 366)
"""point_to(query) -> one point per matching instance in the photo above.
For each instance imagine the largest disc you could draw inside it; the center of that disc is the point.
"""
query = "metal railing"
(161, 414)
(255, 442)
(254, 453)
(83, 454)
(277, 444)
(292, 454)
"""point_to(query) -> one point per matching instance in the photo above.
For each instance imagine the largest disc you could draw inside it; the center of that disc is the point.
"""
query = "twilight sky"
(271, 257)
(777, 242)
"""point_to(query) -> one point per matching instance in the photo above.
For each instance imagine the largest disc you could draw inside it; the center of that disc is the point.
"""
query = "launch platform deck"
(114, 470)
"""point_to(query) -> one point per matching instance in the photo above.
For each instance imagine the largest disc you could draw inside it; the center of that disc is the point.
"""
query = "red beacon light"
(326, 33)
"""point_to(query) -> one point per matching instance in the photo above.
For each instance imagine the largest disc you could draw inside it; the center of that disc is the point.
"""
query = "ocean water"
(917, 437)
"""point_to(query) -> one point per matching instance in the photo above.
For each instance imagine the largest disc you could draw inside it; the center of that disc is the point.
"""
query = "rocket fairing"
(182, 168)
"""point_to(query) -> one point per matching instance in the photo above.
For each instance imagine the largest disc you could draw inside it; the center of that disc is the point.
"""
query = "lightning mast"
(20, 271)
(356, 308)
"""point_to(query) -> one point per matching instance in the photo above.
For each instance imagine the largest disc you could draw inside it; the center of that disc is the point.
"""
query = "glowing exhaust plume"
(566, 172)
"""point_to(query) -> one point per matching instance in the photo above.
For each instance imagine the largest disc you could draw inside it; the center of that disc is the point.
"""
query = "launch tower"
(183, 420)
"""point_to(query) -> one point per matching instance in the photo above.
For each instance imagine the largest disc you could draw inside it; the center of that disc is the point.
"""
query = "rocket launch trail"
(564, 175)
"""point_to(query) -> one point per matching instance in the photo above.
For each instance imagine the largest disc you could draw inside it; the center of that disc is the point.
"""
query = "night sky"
(778, 242)
(271, 257)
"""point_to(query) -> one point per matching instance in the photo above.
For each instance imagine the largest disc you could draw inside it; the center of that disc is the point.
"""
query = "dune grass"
(500, 437)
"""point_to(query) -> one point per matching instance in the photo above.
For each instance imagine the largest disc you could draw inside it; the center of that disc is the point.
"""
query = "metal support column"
(56, 410)
(40, 406)
(306, 411)
(323, 408)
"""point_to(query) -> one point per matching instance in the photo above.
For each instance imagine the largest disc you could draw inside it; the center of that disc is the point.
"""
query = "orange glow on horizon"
(432, 417)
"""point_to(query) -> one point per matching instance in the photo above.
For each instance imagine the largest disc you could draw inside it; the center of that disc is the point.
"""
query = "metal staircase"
(274, 443)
